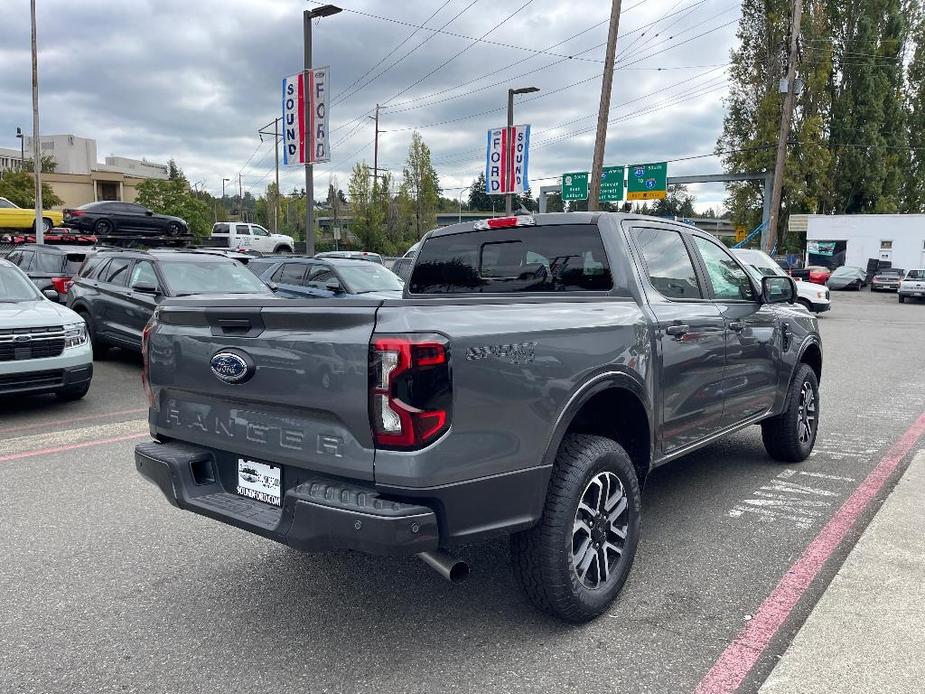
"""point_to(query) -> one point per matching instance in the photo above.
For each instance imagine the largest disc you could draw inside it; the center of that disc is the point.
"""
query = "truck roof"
(554, 218)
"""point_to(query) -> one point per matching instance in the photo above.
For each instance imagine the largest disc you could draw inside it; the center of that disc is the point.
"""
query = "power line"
(392, 52)
(455, 34)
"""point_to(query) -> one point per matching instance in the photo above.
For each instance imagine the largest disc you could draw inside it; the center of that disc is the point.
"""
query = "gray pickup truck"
(533, 373)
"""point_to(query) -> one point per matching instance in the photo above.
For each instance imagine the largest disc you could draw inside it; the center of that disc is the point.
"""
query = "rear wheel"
(790, 436)
(47, 225)
(100, 348)
(103, 227)
(575, 561)
(173, 229)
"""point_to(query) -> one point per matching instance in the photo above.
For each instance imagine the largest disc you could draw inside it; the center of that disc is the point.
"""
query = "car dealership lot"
(108, 588)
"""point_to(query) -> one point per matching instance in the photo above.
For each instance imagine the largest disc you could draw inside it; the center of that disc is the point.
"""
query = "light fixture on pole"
(307, 17)
(509, 198)
(224, 181)
(22, 148)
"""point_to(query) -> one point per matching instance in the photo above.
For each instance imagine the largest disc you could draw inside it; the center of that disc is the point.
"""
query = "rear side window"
(259, 266)
(220, 229)
(522, 259)
(290, 273)
(117, 271)
(92, 266)
(668, 264)
(73, 263)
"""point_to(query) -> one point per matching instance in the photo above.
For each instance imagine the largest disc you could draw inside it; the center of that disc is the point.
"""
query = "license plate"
(259, 481)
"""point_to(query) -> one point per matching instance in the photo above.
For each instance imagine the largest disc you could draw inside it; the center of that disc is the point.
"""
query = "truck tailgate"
(304, 399)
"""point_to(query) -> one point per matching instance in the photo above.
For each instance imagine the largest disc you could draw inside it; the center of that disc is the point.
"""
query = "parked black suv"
(108, 218)
(117, 291)
(51, 268)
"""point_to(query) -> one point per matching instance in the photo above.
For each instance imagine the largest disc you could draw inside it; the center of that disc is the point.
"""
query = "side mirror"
(51, 294)
(273, 286)
(145, 288)
(149, 213)
(778, 290)
(333, 285)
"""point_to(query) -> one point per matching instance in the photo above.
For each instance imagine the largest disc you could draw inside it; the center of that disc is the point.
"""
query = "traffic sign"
(741, 233)
(611, 184)
(647, 182)
(575, 186)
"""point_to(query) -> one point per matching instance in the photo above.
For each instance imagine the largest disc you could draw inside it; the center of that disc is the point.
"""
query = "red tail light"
(145, 383)
(61, 284)
(410, 395)
(74, 213)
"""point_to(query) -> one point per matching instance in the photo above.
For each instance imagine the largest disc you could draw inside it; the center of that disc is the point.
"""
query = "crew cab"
(241, 236)
(533, 373)
(912, 285)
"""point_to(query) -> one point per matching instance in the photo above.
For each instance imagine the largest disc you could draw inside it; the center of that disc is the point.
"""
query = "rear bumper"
(317, 512)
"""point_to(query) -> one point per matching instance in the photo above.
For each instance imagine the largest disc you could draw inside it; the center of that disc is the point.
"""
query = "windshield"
(16, 287)
(890, 271)
(6, 204)
(369, 278)
(767, 271)
(214, 277)
(915, 275)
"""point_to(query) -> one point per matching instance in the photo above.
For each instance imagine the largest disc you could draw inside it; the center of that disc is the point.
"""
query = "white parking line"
(55, 439)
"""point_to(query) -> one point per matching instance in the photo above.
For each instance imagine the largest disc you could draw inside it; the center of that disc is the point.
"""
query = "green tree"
(479, 200)
(174, 197)
(49, 165)
(366, 222)
(914, 183)
(420, 187)
(19, 188)
(678, 203)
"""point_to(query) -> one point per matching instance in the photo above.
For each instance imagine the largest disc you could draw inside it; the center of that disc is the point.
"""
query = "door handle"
(677, 330)
(737, 325)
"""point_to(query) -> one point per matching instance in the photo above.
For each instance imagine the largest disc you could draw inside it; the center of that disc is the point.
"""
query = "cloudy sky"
(195, 80)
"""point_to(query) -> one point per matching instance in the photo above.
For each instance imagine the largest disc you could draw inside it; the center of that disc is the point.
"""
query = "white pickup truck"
(251, 237)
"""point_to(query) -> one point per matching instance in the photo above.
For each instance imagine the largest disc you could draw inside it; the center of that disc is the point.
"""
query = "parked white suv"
(912, 286)
(43, 345)
(814, 297)
(253, 237)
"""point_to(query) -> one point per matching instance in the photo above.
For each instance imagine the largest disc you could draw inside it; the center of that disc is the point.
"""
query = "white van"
(253, 237)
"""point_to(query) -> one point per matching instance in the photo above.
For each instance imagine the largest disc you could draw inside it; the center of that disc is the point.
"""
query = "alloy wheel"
(599, 531)
(807, 413)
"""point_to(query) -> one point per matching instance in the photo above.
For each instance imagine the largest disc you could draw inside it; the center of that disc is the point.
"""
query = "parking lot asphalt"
(107, 588)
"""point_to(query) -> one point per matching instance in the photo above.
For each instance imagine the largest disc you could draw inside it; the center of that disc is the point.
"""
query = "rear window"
(522, 259)
(258, 266)
(48, 262)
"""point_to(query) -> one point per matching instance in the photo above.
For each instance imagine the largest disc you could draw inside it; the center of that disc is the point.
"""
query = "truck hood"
(31, 314)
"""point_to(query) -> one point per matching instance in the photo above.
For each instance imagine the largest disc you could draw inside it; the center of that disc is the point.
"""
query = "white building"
(77, 155)
(855, 239)
(10, 159)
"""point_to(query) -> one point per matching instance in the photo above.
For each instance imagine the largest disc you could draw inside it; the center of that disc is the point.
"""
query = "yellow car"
(15, 217)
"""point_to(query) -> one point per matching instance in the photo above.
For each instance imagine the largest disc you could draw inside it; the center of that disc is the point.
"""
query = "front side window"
(559, 258)
(143, 273)
(321, 276)
(25, 263)
(257, 230)
(730, 282)
(668, 264)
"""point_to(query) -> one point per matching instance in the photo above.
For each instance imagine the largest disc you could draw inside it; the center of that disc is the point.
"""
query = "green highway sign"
(647, 181)
(575, 186)
(611, 184)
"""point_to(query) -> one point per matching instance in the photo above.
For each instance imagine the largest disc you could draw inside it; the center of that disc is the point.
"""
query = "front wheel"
(790, 436)
(575, 561)
(808, 306)
(173, 229)
(902, 299)
(283, 249)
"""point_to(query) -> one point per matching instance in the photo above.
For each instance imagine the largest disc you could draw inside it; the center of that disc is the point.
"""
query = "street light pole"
(509, 198)
(36, 145)
(307, 17)
(224, 211)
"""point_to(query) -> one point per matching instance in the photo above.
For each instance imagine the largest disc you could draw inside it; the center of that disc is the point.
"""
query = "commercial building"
(79, 178)
(891, 240)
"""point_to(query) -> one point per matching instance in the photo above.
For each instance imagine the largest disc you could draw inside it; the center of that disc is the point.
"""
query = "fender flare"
(607, 380)
(807, 342)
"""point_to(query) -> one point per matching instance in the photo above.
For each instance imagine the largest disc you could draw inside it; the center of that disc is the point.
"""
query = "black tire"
(100, 348)
(74, 393)
(283, 249)
(173, 229)
(103, 227)
(808, 306)
(784, 436)
(543, 558)
(47, 225)
(902, 299)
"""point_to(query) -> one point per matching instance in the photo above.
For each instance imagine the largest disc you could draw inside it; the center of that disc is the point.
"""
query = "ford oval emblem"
(231, 367)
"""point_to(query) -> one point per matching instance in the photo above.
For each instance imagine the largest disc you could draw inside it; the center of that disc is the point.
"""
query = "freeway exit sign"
(611, 184)
(575, 186)
(647, 182)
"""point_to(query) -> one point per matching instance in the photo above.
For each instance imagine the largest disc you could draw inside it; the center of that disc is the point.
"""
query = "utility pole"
(241, 200)
(263, 131)
(376, 150)
(509, 197)
(603, 113)
(769, 237)
(224, 211)
(36, 145)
